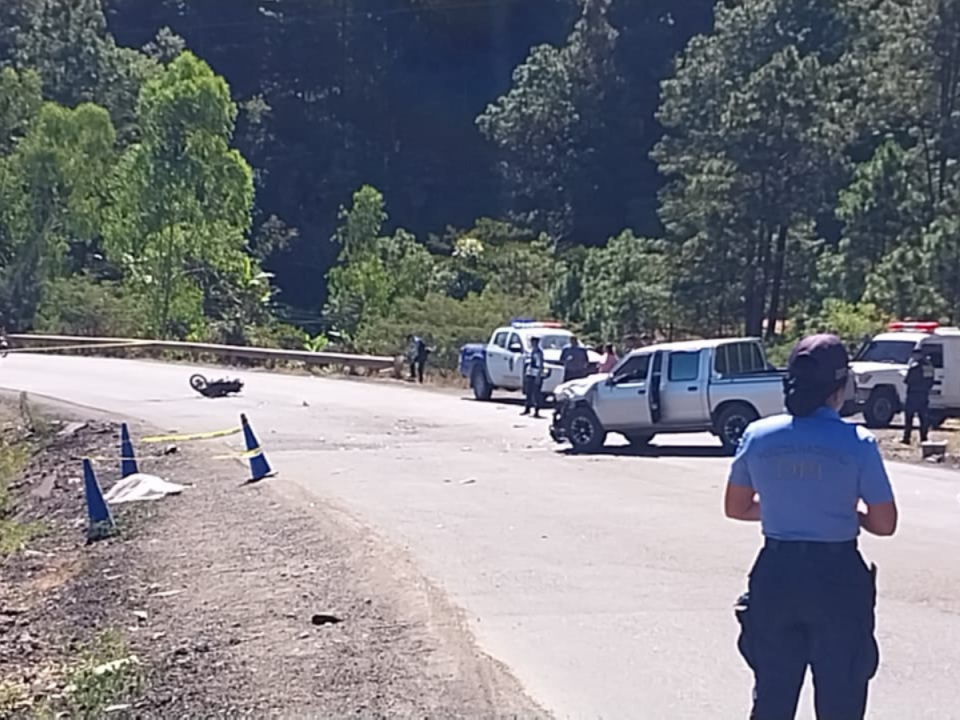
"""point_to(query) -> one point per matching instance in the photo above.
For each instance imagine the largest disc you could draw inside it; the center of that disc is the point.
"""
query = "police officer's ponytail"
(801, 400)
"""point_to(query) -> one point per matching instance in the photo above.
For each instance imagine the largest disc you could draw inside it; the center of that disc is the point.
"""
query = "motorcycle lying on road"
(215, 388)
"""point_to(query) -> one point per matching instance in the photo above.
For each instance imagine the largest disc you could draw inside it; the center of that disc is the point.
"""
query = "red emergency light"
(924, 327)
(533, 324)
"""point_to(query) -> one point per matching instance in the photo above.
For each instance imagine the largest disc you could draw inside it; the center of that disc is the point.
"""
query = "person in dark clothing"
(575, 361)
(533, 367)
(813, 482)
(919, 380)
(417, 355)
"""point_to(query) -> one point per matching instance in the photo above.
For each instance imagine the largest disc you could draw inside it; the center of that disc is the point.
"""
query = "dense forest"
(284, 172)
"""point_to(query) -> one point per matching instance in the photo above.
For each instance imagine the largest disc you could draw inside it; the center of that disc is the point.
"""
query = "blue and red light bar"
(924, 327)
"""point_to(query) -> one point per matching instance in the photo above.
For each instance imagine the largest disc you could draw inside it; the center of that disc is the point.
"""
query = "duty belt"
(805, 546)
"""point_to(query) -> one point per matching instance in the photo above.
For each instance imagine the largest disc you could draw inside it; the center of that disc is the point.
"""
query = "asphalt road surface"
(605, 583)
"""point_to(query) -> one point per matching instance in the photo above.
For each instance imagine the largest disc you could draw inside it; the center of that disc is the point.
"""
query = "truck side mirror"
(516, 348)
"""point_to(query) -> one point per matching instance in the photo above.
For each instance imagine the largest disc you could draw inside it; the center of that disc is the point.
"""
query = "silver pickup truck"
(719, 386)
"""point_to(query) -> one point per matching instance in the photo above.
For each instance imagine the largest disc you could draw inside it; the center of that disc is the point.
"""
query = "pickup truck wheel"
(639, 441)
(585, 432)
(732, 422)
(937, 418)
(482, 390)
(880, 408)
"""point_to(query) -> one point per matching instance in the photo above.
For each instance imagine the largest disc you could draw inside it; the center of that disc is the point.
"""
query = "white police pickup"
(498, 365)
(880, 368)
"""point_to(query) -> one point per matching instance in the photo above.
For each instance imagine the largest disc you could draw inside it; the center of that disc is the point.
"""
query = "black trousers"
(533, 393)
(919, 408)
(416, 368)
(809, 604)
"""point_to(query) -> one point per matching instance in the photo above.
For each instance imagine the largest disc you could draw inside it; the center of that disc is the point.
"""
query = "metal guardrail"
(58, 343)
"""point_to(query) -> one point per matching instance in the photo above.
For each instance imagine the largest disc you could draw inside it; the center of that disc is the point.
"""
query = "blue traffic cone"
(259, 467)
(128, 459)
(99, 522)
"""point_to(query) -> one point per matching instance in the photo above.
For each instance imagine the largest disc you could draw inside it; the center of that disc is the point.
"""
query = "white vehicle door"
(622, 400)
(938, 392)
(513, 373)
(683, 389)
(948, 372)
(497, 358)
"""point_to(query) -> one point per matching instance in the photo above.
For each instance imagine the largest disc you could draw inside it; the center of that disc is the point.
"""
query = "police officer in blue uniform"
(919, 381)
(813, 482)
(533, 367)
(417, 355)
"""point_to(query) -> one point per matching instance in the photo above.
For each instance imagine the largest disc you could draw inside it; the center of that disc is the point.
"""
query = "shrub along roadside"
(445, 324)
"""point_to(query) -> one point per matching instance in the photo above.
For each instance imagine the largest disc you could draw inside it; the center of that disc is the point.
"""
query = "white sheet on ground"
(140, 486)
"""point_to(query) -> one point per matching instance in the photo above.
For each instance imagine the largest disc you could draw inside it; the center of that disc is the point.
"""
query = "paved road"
(606, 583)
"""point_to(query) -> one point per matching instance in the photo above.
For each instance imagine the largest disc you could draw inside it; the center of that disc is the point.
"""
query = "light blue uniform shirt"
(809, 473)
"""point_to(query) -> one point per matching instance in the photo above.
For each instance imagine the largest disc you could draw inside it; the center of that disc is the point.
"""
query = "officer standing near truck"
(812, 481)
(533, 366)
(575, 360)
(919, 381)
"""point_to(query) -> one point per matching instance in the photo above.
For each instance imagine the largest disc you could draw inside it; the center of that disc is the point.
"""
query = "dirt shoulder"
(230, 600)
(889, 440)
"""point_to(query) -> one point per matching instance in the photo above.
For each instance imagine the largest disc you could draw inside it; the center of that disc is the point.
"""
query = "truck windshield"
(894, 352)
(554, 342)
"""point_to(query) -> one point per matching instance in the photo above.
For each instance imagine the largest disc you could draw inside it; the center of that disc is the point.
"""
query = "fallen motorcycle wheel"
(215, 388)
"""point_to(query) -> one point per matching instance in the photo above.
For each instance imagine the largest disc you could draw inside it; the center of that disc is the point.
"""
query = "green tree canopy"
(374, 270)
(182, 197)
(51, 196)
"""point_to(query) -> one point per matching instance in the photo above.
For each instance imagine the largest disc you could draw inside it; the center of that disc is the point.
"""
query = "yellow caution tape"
(193, 436)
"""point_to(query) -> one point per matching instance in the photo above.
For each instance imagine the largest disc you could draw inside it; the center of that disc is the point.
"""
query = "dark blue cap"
(819, 360)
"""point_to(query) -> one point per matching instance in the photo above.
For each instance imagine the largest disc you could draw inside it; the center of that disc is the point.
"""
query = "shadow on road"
(653, 451)
(515, 401)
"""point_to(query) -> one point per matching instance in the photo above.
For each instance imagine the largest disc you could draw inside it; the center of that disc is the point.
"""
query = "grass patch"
(36, 425)
(13, 536)
(13, 458)
(20, 435)
(106, 675)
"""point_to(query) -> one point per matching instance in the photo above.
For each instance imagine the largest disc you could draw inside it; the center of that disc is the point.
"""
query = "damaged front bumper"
(558, 426)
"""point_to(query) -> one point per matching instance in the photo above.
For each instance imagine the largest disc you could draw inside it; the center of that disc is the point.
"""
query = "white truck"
(719, 386)
(879, 370)
(498, 365)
